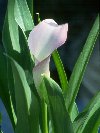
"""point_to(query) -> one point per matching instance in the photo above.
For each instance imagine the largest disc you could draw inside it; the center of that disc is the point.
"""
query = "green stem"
(44, 117)
(61, 72)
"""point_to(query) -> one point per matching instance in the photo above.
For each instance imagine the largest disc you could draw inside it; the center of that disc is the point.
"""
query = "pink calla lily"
(43, 40)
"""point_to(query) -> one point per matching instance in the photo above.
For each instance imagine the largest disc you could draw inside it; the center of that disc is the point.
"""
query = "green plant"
(51, 108)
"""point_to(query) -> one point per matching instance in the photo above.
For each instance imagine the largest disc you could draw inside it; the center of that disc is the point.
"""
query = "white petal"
(46, 37)
(39, 69)
(51, 22)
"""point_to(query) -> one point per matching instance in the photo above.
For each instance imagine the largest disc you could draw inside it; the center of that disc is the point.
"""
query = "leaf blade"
(80, 66)
(61, 71)
(89, 118)
(60, 118)
(4, 89)
(22, 15)
(13, 27)
(25, 101)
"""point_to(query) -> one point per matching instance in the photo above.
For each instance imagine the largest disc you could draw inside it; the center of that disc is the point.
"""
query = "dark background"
(79, 14)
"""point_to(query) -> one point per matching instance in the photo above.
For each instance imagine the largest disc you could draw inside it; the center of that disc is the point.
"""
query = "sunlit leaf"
(63, 81)
(22, 15)
(13, 27)
(61, 71)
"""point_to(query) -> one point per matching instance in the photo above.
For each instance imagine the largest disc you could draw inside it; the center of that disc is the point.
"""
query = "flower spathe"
(43, 40)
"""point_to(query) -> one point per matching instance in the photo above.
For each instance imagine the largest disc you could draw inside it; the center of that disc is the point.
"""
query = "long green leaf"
(31, 8)
(22, 15)
(25, 22)
(64, 81)
(60, 118)
(27, 106)
(10, 30)
(61, 71)
(28, 63)
(89, 120)
(80, 66)
(74, 113)
(11, 43)
(4, 89)
(12, 49)
(13, 27)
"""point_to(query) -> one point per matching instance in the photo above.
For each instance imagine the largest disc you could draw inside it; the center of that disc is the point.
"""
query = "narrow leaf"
(74, 112)
(64, 81)
(89, 120)
(80, 66)
(22, 15)
(13, 27)
(30, 5)
(28, 63)
(61, 71)
(9, 49)
(4, 90)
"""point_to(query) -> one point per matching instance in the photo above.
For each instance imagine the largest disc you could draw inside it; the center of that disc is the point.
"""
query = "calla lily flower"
(43, 40)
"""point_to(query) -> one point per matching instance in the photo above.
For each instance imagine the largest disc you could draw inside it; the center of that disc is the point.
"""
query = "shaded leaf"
(30, 5)
(28, 63)
(4, 90)
(60, 117)
(27, 105)
(7, 43)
